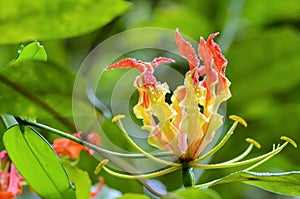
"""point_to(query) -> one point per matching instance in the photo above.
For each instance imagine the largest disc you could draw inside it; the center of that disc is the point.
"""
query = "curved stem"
(79, 141)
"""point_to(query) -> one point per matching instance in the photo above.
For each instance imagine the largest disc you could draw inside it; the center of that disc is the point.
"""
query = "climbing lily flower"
(196, 125)
(152, 102)
(181, 127)
(187, 125)
(10, 179)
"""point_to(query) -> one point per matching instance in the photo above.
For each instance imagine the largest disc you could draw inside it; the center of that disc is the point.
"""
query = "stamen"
(240, 157)
(100, 166)
(148, 155)
(264, 160)
(239, 119)
(255, 143)
(292, 142)
(245, 162)
(117, 118)
(151, 175)
(246, 152)
(259, 163)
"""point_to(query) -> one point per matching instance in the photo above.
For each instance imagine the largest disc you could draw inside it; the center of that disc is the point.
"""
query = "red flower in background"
(64, 146)
(69, 148)
(10, 179)
(98, 188)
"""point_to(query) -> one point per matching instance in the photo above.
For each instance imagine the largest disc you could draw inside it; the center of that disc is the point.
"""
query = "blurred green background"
(260, 39)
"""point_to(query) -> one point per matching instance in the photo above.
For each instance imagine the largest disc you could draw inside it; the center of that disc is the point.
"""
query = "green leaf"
(38, 89)
(191, 193)
(32, 51)
(80, 179)
(24, 20)
(37, 162)
(133, 196)
(283, 183)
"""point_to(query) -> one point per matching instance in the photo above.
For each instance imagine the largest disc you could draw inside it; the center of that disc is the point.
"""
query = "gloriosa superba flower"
(187, 125)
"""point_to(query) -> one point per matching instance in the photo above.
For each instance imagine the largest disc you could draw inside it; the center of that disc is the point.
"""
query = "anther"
(100, 165)
(117, 118)
(238, 119)
(292, 142)
(255, 143)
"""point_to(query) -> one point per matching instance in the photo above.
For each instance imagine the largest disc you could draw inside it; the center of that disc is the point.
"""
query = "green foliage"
(44, 20)
(283, 183)
(179, 16)
(261, 69)
(192, 193)
(189, 16)
(80, 179)
(268, 12)
(37, 162)
(263, 53)
(50, 99)
(32, 51)
(112, 132)
(133, 196)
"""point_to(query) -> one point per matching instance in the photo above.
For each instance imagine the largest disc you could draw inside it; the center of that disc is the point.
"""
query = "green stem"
(8, 120)
(188, 177)
(89, 145)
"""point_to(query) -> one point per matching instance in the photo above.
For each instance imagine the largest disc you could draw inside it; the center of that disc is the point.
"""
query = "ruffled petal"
(214, 123)
(207, 58)
(124, 63)
(186, 51)
(161, 60)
